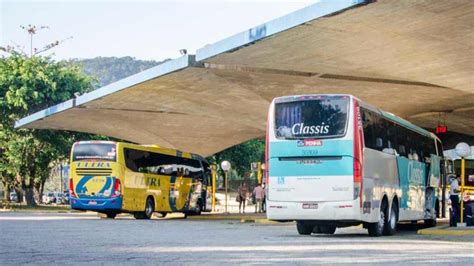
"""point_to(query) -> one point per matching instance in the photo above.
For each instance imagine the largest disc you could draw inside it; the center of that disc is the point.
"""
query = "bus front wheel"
(430, 222)
(111, 215)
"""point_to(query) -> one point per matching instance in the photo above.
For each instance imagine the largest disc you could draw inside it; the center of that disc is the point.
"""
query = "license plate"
(92, 202)
(310, 205)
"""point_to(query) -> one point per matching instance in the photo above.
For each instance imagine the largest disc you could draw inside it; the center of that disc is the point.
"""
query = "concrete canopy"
(412, 58)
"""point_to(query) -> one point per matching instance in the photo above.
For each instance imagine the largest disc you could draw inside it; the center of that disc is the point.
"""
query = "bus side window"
(368, 127)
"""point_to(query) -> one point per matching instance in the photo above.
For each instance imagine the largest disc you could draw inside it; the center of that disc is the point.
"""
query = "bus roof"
(307, 97)
(147, 146)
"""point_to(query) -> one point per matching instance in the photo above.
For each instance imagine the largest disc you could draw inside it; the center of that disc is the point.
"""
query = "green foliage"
(242, 155)
(28, 85)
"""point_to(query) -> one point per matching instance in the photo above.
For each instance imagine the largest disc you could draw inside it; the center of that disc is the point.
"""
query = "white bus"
(335, 161)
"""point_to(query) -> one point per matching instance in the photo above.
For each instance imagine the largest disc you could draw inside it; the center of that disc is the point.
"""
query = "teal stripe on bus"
(339, 158)
(329, 147)
(323, 167)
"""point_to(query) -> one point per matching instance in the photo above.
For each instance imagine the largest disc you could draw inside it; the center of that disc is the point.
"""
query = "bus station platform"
(446, 230)
(240, 217)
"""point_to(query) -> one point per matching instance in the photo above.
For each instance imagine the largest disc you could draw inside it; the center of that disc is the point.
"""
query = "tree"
(242, 155)
(29, 84)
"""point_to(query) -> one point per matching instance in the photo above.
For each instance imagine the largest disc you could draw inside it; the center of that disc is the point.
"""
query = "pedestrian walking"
(454, 197)
(242, 196)
(259, 193)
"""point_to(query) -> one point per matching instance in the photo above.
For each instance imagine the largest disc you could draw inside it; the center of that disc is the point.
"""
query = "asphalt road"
(35, 238)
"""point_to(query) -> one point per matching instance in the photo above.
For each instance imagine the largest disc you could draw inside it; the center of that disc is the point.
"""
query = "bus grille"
(94, 171)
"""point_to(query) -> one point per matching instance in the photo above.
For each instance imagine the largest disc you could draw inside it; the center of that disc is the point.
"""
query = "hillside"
(110, 69)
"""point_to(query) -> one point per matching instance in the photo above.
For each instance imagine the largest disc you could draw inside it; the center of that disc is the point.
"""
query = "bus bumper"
(96, 204)
(330, 211)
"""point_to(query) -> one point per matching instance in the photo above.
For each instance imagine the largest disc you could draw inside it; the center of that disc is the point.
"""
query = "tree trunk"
(30, 197)
(19, 194)
(6, 192)
(38, 193)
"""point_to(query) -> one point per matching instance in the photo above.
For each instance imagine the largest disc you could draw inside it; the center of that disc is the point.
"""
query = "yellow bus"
(117, 177)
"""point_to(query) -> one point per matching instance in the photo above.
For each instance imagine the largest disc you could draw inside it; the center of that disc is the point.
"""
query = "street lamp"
(225, 165)
(462, 150)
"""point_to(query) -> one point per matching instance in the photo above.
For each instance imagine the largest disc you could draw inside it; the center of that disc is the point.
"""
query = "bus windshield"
(94, 151)
(321, 117)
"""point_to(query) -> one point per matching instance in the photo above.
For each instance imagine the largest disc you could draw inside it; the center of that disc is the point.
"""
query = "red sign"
(441, 129)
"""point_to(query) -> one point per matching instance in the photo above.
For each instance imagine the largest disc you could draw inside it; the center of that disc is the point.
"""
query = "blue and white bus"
(336, 161)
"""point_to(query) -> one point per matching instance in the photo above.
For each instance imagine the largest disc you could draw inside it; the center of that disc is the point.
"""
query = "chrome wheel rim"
(393, 221)
(148, 209)
(382, 219)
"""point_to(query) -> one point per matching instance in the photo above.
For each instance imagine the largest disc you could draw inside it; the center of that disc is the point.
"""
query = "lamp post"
(225, 165)
(462, 150)
(213, 173)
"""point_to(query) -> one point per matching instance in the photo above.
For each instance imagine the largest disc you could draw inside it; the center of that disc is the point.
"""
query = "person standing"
(242, 193)
(259, 193)
(454, 197)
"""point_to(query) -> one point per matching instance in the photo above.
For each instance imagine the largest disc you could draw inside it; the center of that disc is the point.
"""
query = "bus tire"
(377, 229)
(111, 215)
(328, 229)
(303, 228)
(390, 226)
(317, 229)
(430, 222)
(149, 208)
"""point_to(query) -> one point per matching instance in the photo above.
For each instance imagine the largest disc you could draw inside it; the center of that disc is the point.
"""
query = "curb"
(445, 231)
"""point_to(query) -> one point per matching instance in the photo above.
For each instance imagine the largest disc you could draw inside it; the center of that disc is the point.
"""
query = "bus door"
(207, 191)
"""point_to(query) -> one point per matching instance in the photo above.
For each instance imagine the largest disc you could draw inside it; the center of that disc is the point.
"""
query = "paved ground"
(47, 238)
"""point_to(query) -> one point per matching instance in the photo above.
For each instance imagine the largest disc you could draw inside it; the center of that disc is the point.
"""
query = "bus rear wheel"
(328, 229)
(198, 209)
(391, 224)
(149, 209)
(317, 229)
(377, 229)
(304, 228)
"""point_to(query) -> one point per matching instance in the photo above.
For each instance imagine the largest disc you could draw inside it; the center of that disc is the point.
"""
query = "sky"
(150, 30)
